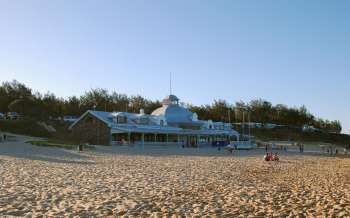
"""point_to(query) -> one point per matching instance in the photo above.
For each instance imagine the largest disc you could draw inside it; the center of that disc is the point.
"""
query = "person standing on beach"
(300, 147)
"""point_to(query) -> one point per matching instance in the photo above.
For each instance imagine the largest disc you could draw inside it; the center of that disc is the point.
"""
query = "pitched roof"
(107, 117)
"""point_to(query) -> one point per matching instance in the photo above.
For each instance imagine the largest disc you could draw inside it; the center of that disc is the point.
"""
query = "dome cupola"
(173, 112)
(171, 100)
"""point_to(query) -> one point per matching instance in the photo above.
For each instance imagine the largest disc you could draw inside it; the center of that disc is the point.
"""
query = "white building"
(169, 124)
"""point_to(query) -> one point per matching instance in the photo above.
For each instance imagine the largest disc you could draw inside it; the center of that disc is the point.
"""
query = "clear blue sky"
(291, 52)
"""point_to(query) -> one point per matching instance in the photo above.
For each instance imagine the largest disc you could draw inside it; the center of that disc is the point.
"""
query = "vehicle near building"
(12, 116)
(243, 145)
(70, 119)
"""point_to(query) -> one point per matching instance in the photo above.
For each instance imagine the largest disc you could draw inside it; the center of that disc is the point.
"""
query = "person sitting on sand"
(275, 157)
(271, 157)
(267, 157)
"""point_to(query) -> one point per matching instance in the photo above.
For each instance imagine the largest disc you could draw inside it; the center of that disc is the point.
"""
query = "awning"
(172, 130)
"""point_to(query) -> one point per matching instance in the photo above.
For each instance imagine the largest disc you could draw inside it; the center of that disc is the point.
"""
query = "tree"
(98, 99)
(27, 107)
(10, 91)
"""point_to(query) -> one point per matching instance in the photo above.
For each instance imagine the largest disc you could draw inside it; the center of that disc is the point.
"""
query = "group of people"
(271, 157)
(273, 146)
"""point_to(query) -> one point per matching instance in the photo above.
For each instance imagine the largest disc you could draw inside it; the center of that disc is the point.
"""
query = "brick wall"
(91, 130)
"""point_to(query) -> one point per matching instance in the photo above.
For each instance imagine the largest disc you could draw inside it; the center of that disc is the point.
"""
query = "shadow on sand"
(23, 150)
(204, 151)
(167, 150)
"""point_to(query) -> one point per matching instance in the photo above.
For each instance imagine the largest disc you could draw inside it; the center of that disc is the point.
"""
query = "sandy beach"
(117, 182)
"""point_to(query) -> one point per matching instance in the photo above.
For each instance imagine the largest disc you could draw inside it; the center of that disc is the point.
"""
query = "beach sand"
(49, 182)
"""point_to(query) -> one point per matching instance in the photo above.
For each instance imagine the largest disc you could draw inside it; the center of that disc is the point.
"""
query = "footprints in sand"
(175, 186)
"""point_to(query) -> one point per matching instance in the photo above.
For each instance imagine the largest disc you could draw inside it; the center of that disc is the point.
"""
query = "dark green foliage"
(10, 91)
(23, 127)
(27, 106)
(293, 134)
(261, 111)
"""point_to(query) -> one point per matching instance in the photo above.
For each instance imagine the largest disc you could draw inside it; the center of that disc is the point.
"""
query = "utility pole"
(243, 123)
(249, 123)
(229, 115)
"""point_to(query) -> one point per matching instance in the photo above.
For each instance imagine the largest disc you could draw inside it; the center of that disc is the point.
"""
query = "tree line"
(17, 97)
(262, 111)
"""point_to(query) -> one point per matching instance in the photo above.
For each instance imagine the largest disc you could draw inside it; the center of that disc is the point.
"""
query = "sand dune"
(173, 186)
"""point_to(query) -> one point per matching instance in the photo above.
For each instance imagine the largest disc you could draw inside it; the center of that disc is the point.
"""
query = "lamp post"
(245, 108)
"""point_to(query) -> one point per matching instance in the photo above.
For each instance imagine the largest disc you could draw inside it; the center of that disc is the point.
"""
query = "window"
(143, 120)
(122, 119)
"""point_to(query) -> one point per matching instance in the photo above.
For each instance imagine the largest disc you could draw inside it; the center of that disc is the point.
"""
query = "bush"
(24, 127)
(285, 134)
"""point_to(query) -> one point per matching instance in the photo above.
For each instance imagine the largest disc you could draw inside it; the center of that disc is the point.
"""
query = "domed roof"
(173, 112)
(171, 99)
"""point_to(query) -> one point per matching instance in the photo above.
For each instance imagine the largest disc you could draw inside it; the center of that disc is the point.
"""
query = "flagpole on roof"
(171, 91)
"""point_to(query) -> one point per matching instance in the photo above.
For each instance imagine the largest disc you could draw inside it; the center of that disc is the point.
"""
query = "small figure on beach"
(80, 147)
(230, 149)
(271, 157)
(274, 146)
(267, 157)
(301, 147)
(5, 137)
